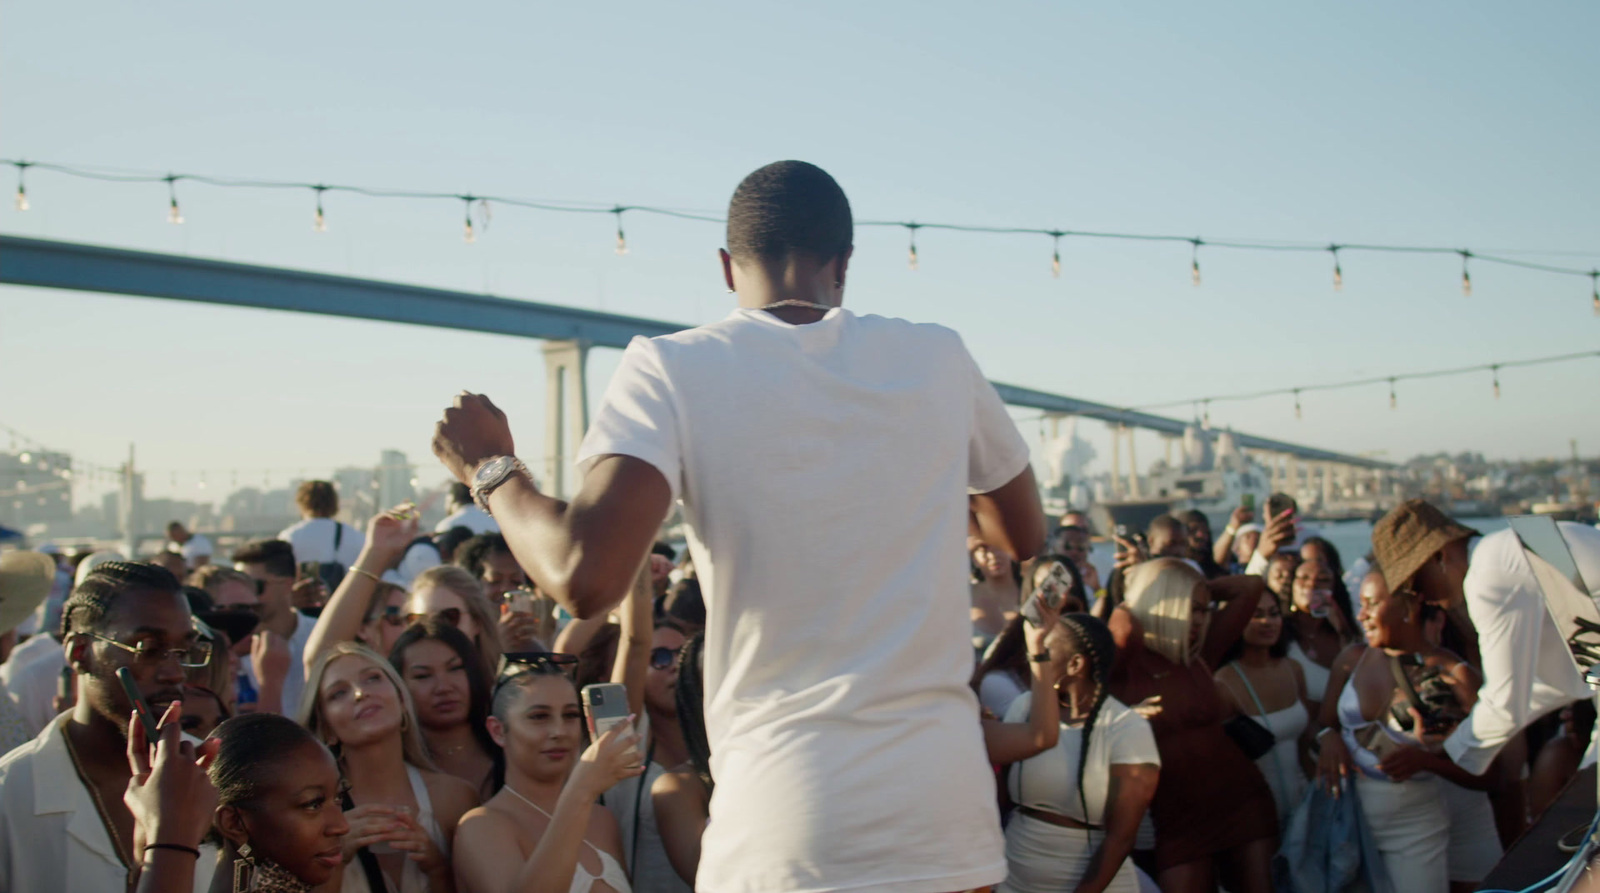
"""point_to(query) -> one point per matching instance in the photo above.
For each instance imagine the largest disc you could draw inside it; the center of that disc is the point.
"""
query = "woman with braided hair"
(1214, 812)
(682, 797)
(1083, 767)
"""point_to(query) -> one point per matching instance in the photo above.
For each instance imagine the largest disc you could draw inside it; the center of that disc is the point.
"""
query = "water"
(1353, 539)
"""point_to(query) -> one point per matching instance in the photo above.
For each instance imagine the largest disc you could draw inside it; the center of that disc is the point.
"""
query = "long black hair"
(1341, 592)
(478, 684)
(1092, 639)
(691, 706)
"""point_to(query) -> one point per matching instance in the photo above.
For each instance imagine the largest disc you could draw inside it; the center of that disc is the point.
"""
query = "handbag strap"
(338, 534)
(1276, 763)
(1403, 682)
(369, 862)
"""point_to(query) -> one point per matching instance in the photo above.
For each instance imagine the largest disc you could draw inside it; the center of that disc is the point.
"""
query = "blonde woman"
(402, 813)
(452, 594)
(1212, 804)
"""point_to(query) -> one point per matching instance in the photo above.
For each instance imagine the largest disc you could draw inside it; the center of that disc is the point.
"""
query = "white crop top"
(1049, 781)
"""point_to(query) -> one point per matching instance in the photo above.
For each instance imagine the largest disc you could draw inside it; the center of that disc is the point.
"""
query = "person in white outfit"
(1264, 684)
(1081, 767)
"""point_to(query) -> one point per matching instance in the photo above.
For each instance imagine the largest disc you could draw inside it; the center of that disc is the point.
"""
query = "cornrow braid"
(691, 706)
(1093, 640)
(86, 608)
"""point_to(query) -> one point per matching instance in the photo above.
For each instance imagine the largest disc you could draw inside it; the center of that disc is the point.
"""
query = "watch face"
(491, 470)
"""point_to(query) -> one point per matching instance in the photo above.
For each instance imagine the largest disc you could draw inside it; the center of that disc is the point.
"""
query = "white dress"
(1043, 857)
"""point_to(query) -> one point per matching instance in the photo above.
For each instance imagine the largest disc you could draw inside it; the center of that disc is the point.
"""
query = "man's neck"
(100, 744)
(285, 624)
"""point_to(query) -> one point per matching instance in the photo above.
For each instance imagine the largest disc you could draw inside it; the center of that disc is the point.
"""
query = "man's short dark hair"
(276, 556)
(786, 208)
(474, 553)
(319, 498)
(460, 494)
(665, 551)
(86, 609)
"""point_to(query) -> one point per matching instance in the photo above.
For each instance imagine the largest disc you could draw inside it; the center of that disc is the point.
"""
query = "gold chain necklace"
(99, 805)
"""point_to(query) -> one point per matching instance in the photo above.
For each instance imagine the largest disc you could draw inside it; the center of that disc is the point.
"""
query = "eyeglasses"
(518, 663)
(451, 616)
(662, 657)
(197, 654)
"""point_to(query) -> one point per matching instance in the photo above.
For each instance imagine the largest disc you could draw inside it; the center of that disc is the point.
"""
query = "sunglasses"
(393, 616)
(662, 657)
(451, 616)
(517, 663)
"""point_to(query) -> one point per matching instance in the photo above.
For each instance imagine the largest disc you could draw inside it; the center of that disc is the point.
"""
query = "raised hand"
(611, 758)
(473, 429)
(1278, 533)
(169, 793)
(389, 535)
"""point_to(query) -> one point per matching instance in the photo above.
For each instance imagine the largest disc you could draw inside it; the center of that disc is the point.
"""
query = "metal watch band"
(482, 489)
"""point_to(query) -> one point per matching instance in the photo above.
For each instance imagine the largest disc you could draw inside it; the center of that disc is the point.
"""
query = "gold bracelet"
(366, 573)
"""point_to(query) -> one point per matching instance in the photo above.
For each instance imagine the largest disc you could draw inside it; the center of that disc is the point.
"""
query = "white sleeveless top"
(412, 880)
(1316, 674)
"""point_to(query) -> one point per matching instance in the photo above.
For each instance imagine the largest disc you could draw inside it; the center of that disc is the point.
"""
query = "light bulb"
(1297, 405)
(1194, 272)
(467, 234)
(1466, 278)
(22, 197)
(911, 257)
(1594, 279)
(1496, 370)
(319, 222)
(1394, 403)
(1055, 265)
(622, 240)
(26, 458)
(173, 214)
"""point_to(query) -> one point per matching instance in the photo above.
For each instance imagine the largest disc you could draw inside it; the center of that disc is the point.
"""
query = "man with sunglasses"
(830, 467)
(63, 824)
(271, 564)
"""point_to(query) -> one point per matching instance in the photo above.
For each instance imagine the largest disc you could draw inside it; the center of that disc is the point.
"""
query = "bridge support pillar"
(566, 411)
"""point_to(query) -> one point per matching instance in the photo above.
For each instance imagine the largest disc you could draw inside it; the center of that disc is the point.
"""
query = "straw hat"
(25, 581)
(1404, 539)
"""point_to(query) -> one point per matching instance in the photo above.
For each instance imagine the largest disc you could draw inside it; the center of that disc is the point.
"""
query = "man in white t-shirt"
(194, 547)
(317, 536)
(829, 467)
(465, 513)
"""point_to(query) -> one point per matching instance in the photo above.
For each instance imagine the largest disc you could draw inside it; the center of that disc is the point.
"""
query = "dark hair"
(1279, 648)
(89, 603)
(1341, 592)
(251, 744)
(1008, 653)
(1193, 516)
(1077, 589)
(665, 551)
(460, 494)
(513, 676)
(683, 603)
(691, 706)
(319, 498)
(1092, 639)
(474, 553)
(276, 556)
(449, 542)
(978, 573)
(787, 208)
(479, 685)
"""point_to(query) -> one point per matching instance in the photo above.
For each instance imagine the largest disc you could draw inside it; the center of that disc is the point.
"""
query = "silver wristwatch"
(492, 473)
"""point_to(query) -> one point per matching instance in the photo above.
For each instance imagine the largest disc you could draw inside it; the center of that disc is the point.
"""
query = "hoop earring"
(244, 869)
(730, 291)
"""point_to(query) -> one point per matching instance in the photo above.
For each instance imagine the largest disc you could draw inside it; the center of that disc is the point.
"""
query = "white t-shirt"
(312, 540)
(195, 547)
(824, 471)
(471, 517)
(1049, 780)
(294, 684)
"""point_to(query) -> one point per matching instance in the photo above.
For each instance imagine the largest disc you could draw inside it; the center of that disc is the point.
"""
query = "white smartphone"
(605, 706)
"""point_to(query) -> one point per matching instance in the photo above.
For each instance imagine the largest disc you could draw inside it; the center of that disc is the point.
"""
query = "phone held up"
(1247, 502)
(140, 705)
(605, 706)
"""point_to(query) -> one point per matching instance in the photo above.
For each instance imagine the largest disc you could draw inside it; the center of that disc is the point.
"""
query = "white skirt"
(1046, 858)
(1411, 826)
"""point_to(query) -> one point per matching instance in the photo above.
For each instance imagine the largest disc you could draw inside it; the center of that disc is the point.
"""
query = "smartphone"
(1278, 503)
(64, 685)
(310, 570)
(521, 601)
(1122, 531)
(1053, 588)
(605, 706)
(1247, 502)
(140, 705)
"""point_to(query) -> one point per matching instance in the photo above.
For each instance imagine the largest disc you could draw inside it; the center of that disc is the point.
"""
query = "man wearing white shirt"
(195, 548)
(465, 513)
(829, 467)
(271, 563)
(63, 824)
(318, 536)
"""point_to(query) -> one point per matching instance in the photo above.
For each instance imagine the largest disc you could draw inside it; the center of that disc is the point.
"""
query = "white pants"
(1474, 841)
(1411, 825)
(1046, 858)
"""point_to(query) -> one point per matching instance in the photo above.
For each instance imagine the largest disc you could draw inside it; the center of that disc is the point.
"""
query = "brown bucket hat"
(1404, 539)
(25, 581)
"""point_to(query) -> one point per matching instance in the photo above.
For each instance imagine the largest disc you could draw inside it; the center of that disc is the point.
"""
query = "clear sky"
(1461, 124)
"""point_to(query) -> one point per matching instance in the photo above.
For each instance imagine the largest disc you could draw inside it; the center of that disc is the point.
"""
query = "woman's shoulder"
(1115, 714)
(451, 796)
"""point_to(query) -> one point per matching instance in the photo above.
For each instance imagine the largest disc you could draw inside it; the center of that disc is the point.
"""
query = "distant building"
(36, 487)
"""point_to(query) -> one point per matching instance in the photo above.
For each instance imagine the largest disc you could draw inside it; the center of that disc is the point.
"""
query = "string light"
(1496, 370)
(1466, 278)
(319, 223)
(1338, 274)
(1206, 418)
(912, 228)
(467, 235)
(22, 188)
(1297, 404)
(1194, 263)
(1594, 290)
(1055, 258)
(1394, 403)
(622, 240)
(173, 214)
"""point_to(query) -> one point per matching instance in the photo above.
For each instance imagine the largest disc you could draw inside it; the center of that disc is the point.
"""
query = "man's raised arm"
(583, 553)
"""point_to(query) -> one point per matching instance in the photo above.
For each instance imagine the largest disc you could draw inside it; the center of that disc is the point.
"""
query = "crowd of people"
(428, 735)
(815, 698)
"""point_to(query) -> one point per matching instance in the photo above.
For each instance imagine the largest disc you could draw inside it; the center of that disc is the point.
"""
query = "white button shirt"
(51, 835)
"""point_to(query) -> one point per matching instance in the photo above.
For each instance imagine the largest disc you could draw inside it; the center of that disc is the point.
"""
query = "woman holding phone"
(402, 812)
(1318, 625)
(544, 831)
